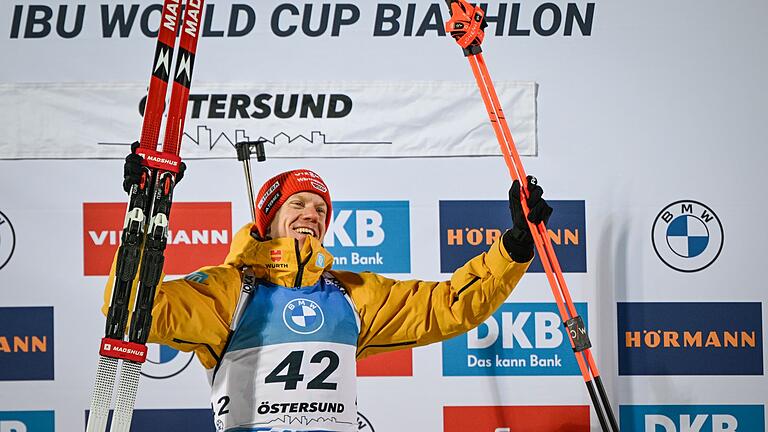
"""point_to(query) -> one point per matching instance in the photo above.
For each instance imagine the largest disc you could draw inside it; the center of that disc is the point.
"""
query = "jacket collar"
(280, 261)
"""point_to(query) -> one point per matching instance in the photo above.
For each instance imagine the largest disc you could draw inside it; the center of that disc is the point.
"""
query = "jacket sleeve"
(192, 314)
(400, 314)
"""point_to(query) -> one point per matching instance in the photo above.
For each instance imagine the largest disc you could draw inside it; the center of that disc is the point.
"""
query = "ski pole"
(244, 151)
(466, 24)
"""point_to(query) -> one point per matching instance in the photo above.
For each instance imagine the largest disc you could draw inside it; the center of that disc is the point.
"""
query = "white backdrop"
(658, 102)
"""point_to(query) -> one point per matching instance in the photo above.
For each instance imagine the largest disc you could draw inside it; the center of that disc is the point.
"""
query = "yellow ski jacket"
(194, 313)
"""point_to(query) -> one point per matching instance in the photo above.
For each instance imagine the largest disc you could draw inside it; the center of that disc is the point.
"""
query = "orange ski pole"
(466, 24)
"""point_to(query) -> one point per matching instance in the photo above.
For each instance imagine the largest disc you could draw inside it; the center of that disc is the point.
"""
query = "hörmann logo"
(690, 339)
(199, 234)
(468, 228)
(27, 421)
(515, 19)
(692, 418)
(516, 418)
(370, 235)
(518, 339)
(26, 343)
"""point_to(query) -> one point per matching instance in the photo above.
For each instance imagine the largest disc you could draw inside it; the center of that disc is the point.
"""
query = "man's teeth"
(306, 231)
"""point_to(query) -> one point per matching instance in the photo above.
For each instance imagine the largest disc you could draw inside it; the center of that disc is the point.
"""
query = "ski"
(466, 24)
(143, 238)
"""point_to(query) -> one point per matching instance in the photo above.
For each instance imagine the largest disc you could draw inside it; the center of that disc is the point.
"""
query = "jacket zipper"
(300, 271)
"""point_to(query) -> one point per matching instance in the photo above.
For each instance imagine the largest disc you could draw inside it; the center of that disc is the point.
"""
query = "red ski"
(145, 231)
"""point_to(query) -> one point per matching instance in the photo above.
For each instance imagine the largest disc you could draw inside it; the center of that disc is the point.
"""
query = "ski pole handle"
(244, 150)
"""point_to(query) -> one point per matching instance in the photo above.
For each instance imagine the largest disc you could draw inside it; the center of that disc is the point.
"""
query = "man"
(279, 331)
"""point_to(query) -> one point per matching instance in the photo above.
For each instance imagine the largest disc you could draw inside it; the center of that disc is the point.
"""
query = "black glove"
(133, 168)
(518, 241)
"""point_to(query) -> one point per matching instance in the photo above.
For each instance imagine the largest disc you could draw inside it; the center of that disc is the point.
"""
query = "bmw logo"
(303, 316)
(7, 240)
(165, 362)
(363, 424)
(687, 236)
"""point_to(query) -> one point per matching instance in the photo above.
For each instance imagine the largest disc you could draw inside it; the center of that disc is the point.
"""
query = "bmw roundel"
(165, 362)
(303, 316)
(687, 236)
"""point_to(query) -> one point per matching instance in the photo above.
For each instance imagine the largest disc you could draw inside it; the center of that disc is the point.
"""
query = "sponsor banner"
(468, 228)
(276, 20)
(690, 338)
(394, 363)
(687, 236)
(331, 119)
(518, 339)
(370, 236)
(27, 421)
(7, 240)
(199, 235)
(692, 418)
(26, 343)
(187, 420)
(516, 418)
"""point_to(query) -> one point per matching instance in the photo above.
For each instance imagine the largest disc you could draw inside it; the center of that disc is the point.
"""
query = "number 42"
(291, 364)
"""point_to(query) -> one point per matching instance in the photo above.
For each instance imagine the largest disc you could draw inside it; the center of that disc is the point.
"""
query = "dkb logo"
(370, 236)
(518, 339)
(26, 421)
(692, 418)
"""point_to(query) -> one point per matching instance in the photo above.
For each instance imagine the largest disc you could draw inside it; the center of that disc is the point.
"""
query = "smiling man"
(279, 331)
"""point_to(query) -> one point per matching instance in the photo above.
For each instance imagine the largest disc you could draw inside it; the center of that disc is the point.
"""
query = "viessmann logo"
(690, 338)
(516, 418)
(468, 228)
(199, 235)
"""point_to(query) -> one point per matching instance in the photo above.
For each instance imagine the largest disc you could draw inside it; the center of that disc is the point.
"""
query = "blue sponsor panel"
(153, 420)
(370, 236)
(698, 418)
(27, 421)
(518, 339)
(690, 338)
(26, 343)
(468, 228)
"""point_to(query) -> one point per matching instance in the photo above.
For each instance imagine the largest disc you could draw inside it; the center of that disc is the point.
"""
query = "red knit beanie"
(279, 188)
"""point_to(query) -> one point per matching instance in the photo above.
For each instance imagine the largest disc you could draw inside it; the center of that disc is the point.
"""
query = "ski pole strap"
(466, 25)
(578, 333)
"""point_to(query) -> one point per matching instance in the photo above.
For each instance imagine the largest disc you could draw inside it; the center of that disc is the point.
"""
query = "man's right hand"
(132, 169)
